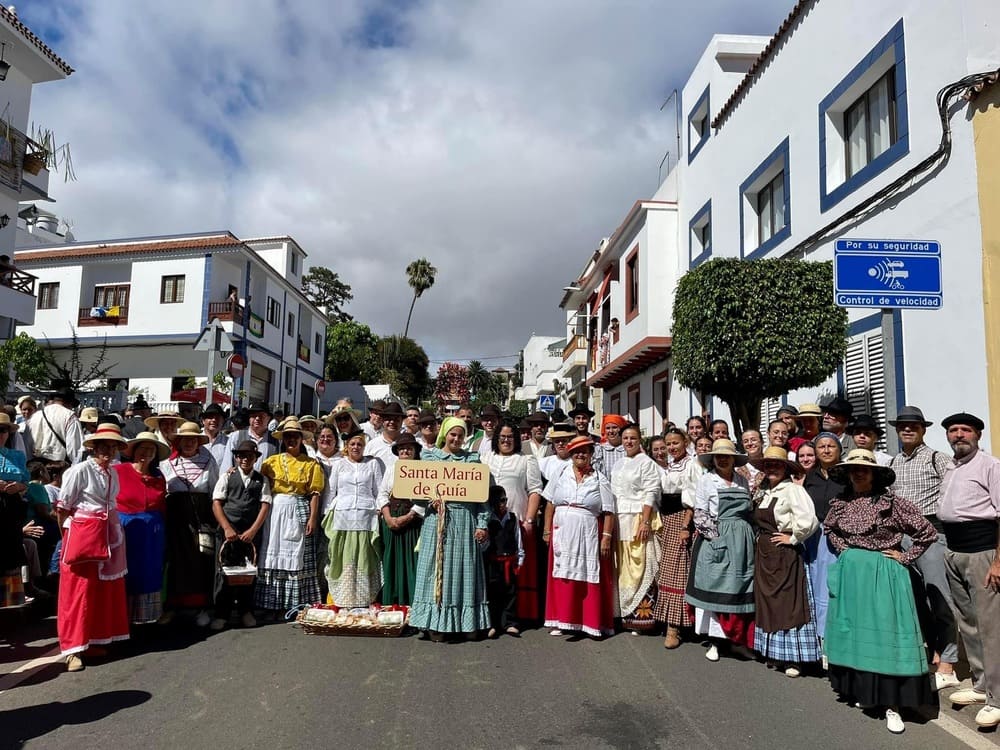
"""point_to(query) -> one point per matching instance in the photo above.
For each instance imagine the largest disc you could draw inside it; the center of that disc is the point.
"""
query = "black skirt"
(871, 689)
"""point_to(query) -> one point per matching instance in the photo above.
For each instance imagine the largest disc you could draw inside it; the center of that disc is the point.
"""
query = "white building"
(152, 297)
(24, 61)
(542, 359)
(784, 141)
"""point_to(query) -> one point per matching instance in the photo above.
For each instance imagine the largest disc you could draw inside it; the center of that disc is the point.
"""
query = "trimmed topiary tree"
(746, 330)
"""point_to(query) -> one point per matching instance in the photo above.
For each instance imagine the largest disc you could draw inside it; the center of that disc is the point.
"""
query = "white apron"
(284, 540)
(576, 554)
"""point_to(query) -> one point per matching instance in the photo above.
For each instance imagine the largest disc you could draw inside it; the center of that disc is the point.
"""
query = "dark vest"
(242, 504)
(503, 536)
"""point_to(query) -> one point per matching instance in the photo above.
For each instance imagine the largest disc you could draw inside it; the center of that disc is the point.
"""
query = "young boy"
(504, 556)
(240, 503)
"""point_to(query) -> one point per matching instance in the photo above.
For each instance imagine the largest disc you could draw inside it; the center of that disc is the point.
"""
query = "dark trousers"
(228, 597)
(501, 593)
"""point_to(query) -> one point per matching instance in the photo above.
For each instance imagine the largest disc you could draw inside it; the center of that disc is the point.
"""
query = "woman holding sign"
(450, 594)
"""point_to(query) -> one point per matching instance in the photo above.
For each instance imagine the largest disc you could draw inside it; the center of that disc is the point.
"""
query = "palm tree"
(479, 378)
(420, 276)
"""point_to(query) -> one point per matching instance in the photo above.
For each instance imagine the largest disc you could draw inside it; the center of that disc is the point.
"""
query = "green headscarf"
(449, 424)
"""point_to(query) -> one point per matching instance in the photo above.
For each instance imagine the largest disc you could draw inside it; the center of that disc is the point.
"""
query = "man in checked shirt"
(919, 470)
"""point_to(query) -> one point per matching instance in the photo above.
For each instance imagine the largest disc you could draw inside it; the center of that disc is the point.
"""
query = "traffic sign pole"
(211, 377)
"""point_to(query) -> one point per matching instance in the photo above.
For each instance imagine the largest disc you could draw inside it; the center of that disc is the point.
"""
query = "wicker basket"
(313, 627)
(241, 578)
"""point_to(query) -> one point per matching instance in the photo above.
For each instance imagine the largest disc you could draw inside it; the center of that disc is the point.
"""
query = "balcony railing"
(19, 281)
(574, 343)
(303, 352)
(227, 311)
(103, 316)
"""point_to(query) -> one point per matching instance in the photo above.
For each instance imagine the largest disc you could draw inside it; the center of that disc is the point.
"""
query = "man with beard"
(538, 446)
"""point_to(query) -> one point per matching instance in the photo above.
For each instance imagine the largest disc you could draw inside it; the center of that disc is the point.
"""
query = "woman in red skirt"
(92, 610)
(579, 524)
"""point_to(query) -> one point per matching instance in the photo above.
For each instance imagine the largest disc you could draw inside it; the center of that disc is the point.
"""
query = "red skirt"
(579, 605)
(528, 599)
(91, 611)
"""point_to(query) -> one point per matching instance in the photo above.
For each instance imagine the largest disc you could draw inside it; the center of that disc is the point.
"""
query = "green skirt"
(354, 572)
(872, 624)
(399, 562)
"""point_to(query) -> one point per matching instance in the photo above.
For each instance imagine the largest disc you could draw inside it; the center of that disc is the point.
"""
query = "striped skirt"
(283, 589)
(672, 577)
(797, 645)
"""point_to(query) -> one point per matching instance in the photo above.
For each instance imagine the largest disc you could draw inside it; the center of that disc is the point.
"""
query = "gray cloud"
(499, 140)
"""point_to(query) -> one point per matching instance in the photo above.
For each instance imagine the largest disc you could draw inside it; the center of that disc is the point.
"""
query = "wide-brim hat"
(89, 415)
(406, 440)
(538, 417)
(213, 410)
(6, 421)
(492, 411)
(162, 449)
(105, 431)
(189, 429)
(153, 422)
(722, 447)
(561, 432)
(140, 404)
(393, 410)
(247, 446)
(342, 410)
(866, 459)
(309, 419)
(427, 417)
(259, 406)
(839, 405)
(864, 422)
(809, 410)
(291, 426)
(777, 453)
(910, 414)
(581, 410)
(580, 441)
(963, 417)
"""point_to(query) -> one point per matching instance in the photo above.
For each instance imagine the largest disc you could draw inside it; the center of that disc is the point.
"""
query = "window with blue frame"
(863, 126)
(700, 240)
(698, 126)
(765, 205)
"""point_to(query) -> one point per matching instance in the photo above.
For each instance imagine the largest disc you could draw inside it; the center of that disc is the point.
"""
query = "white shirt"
(88, 488)
(707, 494)
(199, 473)
(266, 447)
(635, 483)
(551, 467)
(219, 493)
(592, 494)
(44, 439)
(520, 476)
(682, 476)
(355, 489)
(794, 512)
(381, 448)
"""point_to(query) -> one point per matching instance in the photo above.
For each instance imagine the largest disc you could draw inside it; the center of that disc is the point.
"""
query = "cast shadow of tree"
(30, 722)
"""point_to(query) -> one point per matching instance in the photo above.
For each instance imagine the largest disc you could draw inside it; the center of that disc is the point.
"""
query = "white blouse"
(199, 473)
(355, 486)
(519, 475)
(635, 483)
(592, 494)
(88, 488)
(794, 512)
(707, 495)
(682, 477)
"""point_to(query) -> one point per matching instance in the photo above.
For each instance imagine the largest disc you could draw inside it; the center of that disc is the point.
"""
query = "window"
(111, 295)
(171, 289)
(616, 404)
(698, 126)
(632, 284)
(48, 295)
(765, 205)
(288, 378)
(294, 262)
(700, 248)
(870, 125)
(273, 312)
(291, 324)
(633, 403)
(863, 126)
(318, 343)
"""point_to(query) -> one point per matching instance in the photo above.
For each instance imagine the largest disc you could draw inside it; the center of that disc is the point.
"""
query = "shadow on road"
(22, 724)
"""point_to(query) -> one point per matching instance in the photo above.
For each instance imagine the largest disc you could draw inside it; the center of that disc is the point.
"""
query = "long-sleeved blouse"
(878, 523)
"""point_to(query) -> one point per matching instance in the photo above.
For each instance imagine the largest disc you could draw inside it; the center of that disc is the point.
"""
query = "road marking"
(23, 672)
(959, 731)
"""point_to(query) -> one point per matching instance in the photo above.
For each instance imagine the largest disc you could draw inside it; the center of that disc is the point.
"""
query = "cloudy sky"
(500, 140)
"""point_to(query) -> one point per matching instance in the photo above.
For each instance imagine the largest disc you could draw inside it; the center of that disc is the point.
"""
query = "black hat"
(787, 409)
(910, 414)
(558, 415)
(839, 405)
(427, 417)
(581, 410)
(259, 406)
(864, 422)
(66, 395)
(392, 409)
(247, 446)
(403, 441)
(538, 417)
(213, 410)
(139, 404)
(965, 418)
(490, 410)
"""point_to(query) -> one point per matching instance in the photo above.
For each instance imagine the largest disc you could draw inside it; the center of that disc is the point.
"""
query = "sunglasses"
(245, 455)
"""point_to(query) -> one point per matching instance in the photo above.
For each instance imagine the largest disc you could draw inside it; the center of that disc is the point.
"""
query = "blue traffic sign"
(887, 273)
(546, 403)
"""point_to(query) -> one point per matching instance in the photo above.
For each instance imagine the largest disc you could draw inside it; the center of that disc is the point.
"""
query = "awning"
(197, 396)
(646, 353)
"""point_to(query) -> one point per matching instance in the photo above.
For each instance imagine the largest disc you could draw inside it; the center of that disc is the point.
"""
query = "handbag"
(87, 540)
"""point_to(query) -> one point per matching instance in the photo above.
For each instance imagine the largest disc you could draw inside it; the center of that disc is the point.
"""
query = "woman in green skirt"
(401, 521)
(873, 640)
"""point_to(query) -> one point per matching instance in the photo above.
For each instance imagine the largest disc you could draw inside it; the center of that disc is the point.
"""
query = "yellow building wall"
(986, 130)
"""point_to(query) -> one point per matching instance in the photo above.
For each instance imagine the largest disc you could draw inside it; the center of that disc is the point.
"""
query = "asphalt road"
(277, 687)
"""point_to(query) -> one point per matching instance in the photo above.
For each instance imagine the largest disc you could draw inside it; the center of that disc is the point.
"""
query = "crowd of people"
(806, 548)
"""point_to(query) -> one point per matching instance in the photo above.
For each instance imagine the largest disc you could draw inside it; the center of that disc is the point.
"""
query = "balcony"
(226, 312)
(575, 353)
(17, 294)
(101, 316)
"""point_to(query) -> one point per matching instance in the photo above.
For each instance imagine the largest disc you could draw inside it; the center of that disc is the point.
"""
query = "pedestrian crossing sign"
(546, 402)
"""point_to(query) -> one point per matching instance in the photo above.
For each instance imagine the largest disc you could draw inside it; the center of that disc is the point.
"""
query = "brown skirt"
(672, 577)
(779, 580)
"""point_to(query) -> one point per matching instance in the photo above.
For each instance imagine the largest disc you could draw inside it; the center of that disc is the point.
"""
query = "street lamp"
(4, 65)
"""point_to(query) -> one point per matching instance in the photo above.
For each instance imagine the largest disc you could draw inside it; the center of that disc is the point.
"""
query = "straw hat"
(809, 410)
(89, 415)
(561, 431)
(722, 447)
(866, 459)
(292, 427)
(310, 419)
(190, 429)
(340, 409)
(5, 421)
(777, 453)
(153, 422)
(579, 443)
(162, 449)
(105, 431)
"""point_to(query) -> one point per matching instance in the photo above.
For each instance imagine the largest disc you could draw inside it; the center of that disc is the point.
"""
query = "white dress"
(635, 484)
(519, 475)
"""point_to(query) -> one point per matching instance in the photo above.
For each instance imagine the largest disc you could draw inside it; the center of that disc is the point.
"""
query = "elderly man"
(56, 434)
(969, 509)
(259, 414)
(373, 426)
(381, 445)
(538, 446)
(212, 420)
(837, 413)
(136, 423)
(919, 470)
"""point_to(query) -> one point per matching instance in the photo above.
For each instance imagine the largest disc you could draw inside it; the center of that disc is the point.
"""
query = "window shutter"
(768, 413)
(864, 377)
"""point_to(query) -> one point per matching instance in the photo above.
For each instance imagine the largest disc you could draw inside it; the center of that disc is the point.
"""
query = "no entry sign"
(235, 366)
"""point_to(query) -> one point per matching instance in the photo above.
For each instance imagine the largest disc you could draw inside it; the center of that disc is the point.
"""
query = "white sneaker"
(988, 716)
(792, 672)
(894, 722)
(555, 631)
(967, 697)
(713, 653)
(203, 619)
(944, 680)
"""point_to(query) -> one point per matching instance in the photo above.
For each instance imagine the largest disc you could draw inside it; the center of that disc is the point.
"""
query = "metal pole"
(889, 376)
(211, 377)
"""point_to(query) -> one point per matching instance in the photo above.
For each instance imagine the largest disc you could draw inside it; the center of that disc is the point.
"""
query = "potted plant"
(57, 157)
(35, 157)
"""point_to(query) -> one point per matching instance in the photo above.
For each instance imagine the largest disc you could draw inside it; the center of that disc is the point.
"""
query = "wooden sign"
(448, 480)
